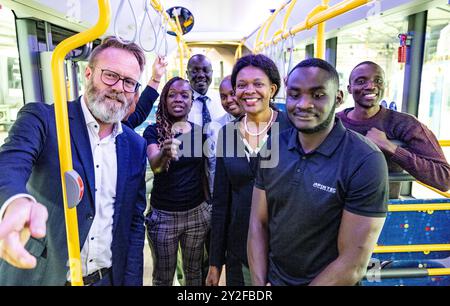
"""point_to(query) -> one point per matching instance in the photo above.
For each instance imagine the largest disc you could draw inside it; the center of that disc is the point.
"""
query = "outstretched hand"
(23, 218)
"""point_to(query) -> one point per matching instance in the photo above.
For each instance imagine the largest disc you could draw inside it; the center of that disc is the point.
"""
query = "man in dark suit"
(111, 160)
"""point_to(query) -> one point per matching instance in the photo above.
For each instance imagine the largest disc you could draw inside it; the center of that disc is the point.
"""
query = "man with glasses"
(406, 143)
(111, 160)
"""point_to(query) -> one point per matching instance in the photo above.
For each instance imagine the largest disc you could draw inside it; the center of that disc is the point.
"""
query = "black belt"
(93, 277)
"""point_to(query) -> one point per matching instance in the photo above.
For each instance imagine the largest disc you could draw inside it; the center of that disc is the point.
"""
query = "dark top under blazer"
(233, 188)
(29, 163)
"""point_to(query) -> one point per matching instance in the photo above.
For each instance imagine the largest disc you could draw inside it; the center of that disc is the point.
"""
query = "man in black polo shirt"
(317, 214)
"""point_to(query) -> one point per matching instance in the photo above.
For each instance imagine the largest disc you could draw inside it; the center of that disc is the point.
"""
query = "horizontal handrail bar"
(426, 248)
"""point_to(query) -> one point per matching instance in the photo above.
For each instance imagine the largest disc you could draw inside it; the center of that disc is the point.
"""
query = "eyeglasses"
(111, 78)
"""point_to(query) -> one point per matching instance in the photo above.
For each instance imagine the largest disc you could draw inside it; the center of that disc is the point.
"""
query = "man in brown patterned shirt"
(420, 154)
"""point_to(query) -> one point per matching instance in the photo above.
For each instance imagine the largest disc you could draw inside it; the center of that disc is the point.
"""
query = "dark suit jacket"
(143, 108)
(233, 189)
(29, 164)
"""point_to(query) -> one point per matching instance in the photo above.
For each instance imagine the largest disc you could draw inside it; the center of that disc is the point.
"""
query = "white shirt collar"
(91, 121)
(196, 95)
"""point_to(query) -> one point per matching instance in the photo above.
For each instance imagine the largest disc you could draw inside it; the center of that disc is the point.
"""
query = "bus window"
(375, 41)
(11, 94)
(434, 105)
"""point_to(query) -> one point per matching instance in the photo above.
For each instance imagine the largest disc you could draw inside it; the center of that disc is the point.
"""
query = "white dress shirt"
(96, 252)
(216, 111)
(213, 133)
(213, 104)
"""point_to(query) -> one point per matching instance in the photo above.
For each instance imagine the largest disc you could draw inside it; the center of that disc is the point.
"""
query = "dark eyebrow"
(182, 91)
(318, 88)
(309, 89)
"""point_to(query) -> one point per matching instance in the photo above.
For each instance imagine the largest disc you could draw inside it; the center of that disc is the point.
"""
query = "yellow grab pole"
(238, 53)
(336, 10)
(288, 14)
(62, 125)
(258, 34)
(271, 20)
(315, 18)
(426, 248)
(285, 20)
(320, 41)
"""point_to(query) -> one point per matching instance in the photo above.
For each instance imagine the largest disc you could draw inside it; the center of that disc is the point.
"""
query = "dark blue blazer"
(233, 189)
(143, 107)
(29, 163)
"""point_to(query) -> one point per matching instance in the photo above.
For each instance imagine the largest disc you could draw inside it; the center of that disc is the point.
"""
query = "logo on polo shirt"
(324, 188)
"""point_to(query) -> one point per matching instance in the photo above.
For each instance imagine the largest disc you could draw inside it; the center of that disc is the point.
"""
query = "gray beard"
(103, 111)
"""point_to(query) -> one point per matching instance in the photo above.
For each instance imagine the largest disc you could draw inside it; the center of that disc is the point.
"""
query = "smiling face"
(110, 104)
(367, 85)
(199, 72)
(311, 98)
(228, 98)
(179, 100)
(254, 90)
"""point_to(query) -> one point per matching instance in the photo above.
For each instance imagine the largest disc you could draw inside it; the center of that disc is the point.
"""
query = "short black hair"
(360, 64)
(199, 56)
(259, 61)
(319, 63)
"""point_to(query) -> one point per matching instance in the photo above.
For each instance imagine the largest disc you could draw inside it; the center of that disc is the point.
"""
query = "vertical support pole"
(320, 41)
(309, 50)
(331, 51)
(417, 24)
(417, 27)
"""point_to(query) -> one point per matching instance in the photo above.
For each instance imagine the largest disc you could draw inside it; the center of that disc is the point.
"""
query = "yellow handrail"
(444, 143)
(426, 248)
(62, 126)
(271, 20)
(285, 20)
(287, 15)
(419, 207)
(438, 271)
(317, 18)
(217, 42)
(266, 26)
(258, 34)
